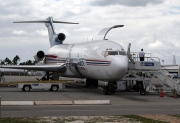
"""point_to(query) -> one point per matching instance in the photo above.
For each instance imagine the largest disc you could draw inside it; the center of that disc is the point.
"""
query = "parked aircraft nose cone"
(119, 67)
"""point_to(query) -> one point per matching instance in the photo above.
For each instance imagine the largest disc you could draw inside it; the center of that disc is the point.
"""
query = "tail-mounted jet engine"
(39, 56)
(60, 37)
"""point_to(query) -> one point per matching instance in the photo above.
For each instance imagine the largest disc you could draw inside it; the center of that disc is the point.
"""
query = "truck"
(41, 86)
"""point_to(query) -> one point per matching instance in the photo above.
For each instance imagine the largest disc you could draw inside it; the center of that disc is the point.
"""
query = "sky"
(153, 25)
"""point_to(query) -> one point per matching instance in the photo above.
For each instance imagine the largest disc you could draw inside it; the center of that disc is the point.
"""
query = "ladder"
(165, 80)
(150, 73)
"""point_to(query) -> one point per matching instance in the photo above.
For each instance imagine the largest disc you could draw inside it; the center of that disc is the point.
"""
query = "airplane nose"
(119, 66)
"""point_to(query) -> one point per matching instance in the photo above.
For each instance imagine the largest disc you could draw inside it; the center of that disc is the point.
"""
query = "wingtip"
(116, 26)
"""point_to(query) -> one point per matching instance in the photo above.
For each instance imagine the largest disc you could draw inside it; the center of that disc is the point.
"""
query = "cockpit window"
(113, 53)
(106, 53)
(122, 53)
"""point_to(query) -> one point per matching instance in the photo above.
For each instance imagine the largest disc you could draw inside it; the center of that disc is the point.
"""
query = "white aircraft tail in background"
(53, 37)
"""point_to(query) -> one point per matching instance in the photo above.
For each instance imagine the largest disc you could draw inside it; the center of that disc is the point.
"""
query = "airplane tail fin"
(53, 37)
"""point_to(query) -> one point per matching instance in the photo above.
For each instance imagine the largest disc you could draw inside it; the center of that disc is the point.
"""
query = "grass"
(143, 119)
(176, 115)
(19, 120)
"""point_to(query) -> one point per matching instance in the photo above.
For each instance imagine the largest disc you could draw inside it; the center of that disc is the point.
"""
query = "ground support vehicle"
(51, 86)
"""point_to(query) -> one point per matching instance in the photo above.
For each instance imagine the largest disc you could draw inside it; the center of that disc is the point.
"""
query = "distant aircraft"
(100, 59)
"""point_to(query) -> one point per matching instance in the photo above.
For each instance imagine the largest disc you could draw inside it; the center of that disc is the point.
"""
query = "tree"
(7, 61)
(2, 62)
(28, 62)
(22, 63)
(15, 60)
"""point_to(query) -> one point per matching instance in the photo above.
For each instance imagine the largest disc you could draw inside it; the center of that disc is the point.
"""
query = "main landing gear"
(91, 82)
(110, 89)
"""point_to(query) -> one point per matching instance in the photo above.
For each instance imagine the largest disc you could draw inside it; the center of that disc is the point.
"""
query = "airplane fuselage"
(101, 59)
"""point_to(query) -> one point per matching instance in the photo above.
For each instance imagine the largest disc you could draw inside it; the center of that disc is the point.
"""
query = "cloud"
(19, 32)
(132, 3)
(83, 29)
(150, 24)
(41, 32)
(156, 45)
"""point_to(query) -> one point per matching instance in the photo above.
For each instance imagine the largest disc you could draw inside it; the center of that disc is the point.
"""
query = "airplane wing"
(53, 68)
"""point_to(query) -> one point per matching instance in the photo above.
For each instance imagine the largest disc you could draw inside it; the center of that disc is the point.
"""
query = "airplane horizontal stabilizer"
(44, 21)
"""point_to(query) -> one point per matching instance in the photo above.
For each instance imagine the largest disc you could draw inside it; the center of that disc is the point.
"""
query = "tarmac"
(12, 80)
(78, 100)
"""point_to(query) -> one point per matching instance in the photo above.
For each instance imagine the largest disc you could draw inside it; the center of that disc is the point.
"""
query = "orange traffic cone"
(161, 93)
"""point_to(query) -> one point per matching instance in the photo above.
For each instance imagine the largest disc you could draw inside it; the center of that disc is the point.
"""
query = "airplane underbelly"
(74, 68)
(99, 72)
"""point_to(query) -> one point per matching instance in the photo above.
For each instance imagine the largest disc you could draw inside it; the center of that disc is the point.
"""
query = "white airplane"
(95, 60)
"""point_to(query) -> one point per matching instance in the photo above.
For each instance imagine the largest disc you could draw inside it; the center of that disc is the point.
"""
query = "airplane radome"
(100, 59)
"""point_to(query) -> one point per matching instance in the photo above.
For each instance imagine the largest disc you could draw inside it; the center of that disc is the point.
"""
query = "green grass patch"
(175, 115)
(143, 119)
(19, 120)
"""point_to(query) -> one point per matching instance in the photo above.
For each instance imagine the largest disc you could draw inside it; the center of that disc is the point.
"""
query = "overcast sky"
(153, 25)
